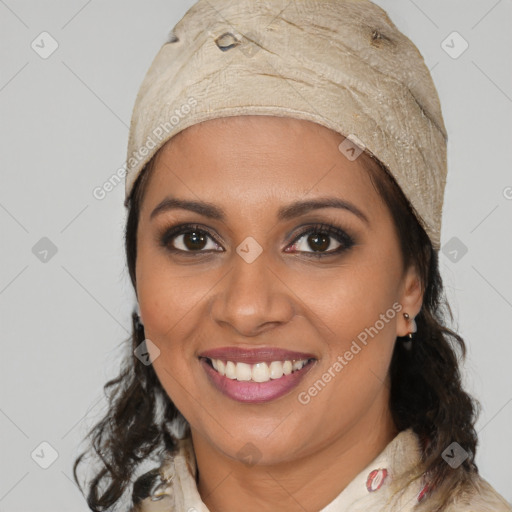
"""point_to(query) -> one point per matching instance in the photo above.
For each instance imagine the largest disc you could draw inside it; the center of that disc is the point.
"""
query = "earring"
(414, 327)
(407, 342)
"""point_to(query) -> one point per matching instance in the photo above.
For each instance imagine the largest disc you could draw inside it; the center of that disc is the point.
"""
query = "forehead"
(274, 133)
(250, 159)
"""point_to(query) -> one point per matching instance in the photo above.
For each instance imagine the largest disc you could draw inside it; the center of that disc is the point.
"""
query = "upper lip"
(255, 355)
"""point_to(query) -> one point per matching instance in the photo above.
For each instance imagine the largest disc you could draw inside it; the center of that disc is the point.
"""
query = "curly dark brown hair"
(426, 389)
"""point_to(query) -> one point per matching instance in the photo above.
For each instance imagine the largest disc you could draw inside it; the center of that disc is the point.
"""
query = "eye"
(188, 238)
(192, 238)
(320, 239)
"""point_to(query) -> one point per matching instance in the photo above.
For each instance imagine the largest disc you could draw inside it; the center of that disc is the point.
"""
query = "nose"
(252, 298)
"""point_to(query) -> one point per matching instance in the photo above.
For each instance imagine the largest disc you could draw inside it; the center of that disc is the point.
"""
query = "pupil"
(314, 239)
(196, 238)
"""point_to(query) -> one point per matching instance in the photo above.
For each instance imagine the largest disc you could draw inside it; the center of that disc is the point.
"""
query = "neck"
(310, 483)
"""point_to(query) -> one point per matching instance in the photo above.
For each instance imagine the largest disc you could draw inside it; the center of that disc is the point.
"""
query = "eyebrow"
(287, 212)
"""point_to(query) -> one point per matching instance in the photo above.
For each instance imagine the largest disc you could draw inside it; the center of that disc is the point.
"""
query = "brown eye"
(193, 240)
(322, 240)
(318, 242)
(187, 238)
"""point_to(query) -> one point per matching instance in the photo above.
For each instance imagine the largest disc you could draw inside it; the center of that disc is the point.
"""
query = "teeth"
(297, 365)
(243, 371)
(276, 370)
(230, 370)
(259, 372)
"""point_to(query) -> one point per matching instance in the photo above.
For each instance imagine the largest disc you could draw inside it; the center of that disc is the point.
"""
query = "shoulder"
(477, 496)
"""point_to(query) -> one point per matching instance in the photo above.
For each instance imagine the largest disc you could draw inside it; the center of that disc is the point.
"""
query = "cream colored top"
(370, 490)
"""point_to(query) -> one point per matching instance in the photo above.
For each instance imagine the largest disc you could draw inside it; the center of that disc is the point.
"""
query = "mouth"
(258, 382)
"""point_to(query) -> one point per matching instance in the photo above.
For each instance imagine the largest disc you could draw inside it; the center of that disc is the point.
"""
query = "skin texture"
(250, 166)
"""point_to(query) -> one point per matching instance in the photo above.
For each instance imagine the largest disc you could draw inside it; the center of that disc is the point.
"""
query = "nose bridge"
(252, 295)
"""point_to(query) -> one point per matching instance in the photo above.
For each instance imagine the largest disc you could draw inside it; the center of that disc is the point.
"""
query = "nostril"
(227, 41)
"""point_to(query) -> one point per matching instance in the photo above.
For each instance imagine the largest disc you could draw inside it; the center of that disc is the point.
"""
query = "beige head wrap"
(340, 63)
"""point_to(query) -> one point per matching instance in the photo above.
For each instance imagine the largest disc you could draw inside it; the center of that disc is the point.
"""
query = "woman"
(286, 171)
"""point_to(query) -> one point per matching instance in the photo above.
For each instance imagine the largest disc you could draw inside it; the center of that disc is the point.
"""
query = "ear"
(411, 299)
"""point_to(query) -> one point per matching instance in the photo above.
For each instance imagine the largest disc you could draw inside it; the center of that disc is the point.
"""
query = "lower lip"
(255, 392)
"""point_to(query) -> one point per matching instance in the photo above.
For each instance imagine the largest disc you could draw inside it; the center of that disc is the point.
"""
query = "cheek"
(165, 295)
(353, 298)
(167, 300)
(361, 336)
(172, 300)
(360, 312)
(355, 312)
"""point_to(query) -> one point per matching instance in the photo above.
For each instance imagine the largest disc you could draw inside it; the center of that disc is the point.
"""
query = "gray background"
(64, 129)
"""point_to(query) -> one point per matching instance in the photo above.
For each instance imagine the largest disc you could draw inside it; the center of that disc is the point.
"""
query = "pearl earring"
(414, 327)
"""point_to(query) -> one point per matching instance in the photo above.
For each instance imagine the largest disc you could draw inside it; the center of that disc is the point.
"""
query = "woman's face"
(253, 272)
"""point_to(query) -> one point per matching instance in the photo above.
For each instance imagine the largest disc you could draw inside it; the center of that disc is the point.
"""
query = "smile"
(258, 382)
(259, 372)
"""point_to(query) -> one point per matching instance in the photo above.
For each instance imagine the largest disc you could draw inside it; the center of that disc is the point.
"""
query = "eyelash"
(335, 232)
